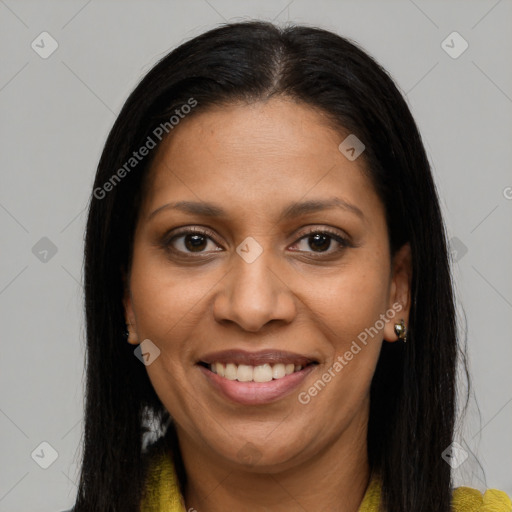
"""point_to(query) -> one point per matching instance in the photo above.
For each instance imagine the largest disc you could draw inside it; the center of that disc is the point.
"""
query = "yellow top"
(164, 494)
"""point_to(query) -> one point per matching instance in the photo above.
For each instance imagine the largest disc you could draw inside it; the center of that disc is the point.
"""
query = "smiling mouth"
(261, 373)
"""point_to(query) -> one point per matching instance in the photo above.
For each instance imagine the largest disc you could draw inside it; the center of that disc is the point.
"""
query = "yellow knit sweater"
(163, 494)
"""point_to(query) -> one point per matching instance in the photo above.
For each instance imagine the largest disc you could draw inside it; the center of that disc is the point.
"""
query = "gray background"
(56, 113)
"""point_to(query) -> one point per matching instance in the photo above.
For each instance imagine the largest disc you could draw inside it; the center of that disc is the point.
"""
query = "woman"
(265, 231)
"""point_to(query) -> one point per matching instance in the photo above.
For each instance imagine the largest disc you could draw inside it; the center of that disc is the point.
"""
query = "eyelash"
(167, 242)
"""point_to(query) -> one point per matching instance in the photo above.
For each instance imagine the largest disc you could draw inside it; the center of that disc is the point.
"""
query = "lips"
(252, 378)
(262, 357)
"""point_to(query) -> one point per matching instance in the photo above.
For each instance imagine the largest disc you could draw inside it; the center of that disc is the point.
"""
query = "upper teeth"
(261, 373)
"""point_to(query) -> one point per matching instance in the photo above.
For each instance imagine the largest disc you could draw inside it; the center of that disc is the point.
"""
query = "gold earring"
(401, 331)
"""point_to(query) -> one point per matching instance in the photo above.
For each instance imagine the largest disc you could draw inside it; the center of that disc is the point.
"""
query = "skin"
(253, 161)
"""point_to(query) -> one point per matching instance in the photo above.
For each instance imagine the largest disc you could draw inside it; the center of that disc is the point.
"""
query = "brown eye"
(190, 241)
(320, 241)
(194, 242)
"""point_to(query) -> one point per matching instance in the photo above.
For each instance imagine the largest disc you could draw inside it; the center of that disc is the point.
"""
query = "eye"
(190, 240)
(320, 241)
(193, 240)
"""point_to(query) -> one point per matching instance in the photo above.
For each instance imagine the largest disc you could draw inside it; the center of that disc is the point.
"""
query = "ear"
(129, 315)
(400, 291)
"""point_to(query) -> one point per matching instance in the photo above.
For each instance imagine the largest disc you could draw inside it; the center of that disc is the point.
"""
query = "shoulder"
(467, 499)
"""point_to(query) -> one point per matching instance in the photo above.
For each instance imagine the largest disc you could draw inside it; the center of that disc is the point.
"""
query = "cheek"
(158, 304)
(350, 319)
(349, 315)
(354, 298)
(162, 301)
(163, 297)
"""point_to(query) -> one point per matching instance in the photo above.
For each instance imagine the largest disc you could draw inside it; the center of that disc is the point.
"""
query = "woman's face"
(259, 289)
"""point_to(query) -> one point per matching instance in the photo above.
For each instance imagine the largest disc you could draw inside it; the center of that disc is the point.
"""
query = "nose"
(252, 294)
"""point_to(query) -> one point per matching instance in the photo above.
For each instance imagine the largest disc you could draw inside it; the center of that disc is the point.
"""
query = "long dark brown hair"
(413, 391)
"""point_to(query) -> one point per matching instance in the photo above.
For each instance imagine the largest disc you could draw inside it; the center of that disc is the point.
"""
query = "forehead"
(256, 157)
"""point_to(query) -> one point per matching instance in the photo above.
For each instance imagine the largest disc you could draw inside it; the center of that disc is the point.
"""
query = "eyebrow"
(293, 210)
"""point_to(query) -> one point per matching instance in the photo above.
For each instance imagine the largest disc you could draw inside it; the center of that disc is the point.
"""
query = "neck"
(335, 479)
